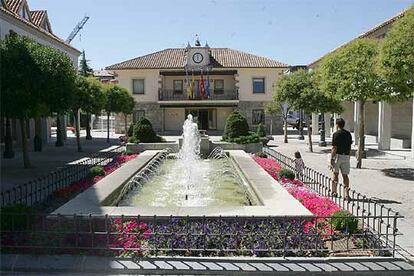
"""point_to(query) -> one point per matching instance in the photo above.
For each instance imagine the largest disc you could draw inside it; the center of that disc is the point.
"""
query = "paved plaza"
(387, 177)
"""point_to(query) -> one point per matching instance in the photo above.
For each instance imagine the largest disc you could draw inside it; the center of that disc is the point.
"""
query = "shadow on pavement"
(402, 173)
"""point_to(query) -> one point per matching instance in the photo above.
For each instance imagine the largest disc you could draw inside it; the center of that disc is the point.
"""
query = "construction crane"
(77, 29)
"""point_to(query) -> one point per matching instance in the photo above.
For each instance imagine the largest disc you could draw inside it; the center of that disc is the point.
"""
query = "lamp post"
(301, 137)
(322, 142)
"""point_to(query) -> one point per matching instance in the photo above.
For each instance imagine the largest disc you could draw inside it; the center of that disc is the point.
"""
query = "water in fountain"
(190, 180)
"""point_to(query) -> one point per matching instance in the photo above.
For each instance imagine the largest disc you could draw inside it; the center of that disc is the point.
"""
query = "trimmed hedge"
(344, 221)
(96, 170)
(143, 132)
(261, 131)
(286, 173)
(236, 126)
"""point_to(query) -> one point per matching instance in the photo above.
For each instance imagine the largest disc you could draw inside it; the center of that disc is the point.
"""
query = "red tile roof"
(37, 17)
(364, 35)
(15, 15)
(14, 5)
(175, 58)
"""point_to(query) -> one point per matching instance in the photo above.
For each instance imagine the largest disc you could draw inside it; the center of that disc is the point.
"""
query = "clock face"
(198, 57)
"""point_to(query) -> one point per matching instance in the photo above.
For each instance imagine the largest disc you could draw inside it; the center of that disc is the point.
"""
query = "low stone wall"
(250, 148)
(138, 148)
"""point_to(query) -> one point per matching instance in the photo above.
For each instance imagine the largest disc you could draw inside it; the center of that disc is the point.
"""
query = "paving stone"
(228, 266)
(179, 265)
(326, 267)
(373, 266)
(196, 265)
(261, 266)
(404, 265)
(163, 265)
(293, 267)
(389, 265)
(245, 266)
(342, 266)
(357, 266)
(310, 267)
(211, 265)
(278, 267)
(58, 262)
(129, 264)
(147, 265)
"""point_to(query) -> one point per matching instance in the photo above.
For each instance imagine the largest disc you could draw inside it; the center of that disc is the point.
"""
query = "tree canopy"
(89, 95)
(396, 61)
(114, 98)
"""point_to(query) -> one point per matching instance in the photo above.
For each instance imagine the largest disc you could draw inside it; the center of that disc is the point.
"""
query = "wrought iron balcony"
(171, 95)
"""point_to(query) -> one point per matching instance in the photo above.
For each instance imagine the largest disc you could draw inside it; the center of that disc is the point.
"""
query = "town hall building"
(207, 82)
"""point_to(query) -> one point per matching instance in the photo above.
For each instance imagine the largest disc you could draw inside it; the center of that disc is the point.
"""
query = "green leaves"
(396, 59)
(89, 95)
(118, 99)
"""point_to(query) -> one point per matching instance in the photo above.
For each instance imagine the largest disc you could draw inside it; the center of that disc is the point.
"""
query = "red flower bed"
(83, 184)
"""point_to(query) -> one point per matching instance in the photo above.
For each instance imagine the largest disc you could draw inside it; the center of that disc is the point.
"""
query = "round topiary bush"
(236, 126)
(144, 132)
(96, 170)
(131, 130)
(344, 221)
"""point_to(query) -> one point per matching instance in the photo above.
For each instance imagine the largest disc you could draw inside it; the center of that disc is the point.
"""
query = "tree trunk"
(77, 129)
(126, 124)
(285, 132)
(59, 134)
(88, 126)
(37, 140)
(361, 133)
(107, 126)
(309, 133)
(8, 141)
(26, 161)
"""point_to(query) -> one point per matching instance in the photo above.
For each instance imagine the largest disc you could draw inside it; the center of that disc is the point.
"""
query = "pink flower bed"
(87, 182)
(318, 205)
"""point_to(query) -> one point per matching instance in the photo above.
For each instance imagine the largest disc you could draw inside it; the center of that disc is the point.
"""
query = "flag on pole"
(190, 89)
(208, 85)
(202, 88)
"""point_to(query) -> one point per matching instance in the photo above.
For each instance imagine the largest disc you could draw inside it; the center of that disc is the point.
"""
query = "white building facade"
(17, 18)
(207, 82)
(391, 124)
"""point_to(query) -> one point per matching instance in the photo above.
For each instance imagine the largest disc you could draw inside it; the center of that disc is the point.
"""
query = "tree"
(127, 103)
(350, 74)
(19, 86)
(86, 71)
(274, 107)
(282, 89)
(396, 59)
(89, 97)
(236, 126)
(114, 103)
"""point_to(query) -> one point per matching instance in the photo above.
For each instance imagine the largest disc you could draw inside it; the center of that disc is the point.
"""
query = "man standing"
(340, 157)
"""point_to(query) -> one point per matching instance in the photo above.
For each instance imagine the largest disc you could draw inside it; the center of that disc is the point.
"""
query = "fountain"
(185, 179)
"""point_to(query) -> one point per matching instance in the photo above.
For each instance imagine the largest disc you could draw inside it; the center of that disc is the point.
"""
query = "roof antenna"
(197, 42)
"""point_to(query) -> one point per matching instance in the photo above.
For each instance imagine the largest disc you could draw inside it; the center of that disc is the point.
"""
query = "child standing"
(299, 166)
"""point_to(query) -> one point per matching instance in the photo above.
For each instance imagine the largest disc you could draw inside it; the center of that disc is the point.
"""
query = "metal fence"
(40, 189)
(373, 214)
(189, 236)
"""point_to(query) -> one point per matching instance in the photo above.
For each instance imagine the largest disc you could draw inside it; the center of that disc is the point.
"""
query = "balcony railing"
(171, 95)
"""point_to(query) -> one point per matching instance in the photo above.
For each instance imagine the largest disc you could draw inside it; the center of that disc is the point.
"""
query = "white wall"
(246, 75)
(174, 118)
(401, 122)
(371, 118)
(151, 85)
(8, 23)
(228, 81)
(222, 114)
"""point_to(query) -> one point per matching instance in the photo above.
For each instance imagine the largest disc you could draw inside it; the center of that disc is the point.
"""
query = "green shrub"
(286, 173)
(261, 130)
(133, 140)
(344, 221)
(131, 130)
(251, 138)
(236, 126)
(144, 132)
(96, 170)
(17, 217)
(261, 154)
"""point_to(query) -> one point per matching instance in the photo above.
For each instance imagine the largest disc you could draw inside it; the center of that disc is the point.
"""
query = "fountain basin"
(273, 199)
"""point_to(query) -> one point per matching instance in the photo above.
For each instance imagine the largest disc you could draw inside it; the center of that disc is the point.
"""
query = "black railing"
(40, 189)
(171, 95)
(374, 215)
(188, 236)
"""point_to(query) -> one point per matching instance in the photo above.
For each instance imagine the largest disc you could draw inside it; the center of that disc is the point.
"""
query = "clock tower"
(198, 58)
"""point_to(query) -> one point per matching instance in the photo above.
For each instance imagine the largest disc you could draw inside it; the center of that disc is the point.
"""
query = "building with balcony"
(207, 82)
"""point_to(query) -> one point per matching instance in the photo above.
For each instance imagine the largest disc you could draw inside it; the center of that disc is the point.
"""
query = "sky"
(292, 31)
